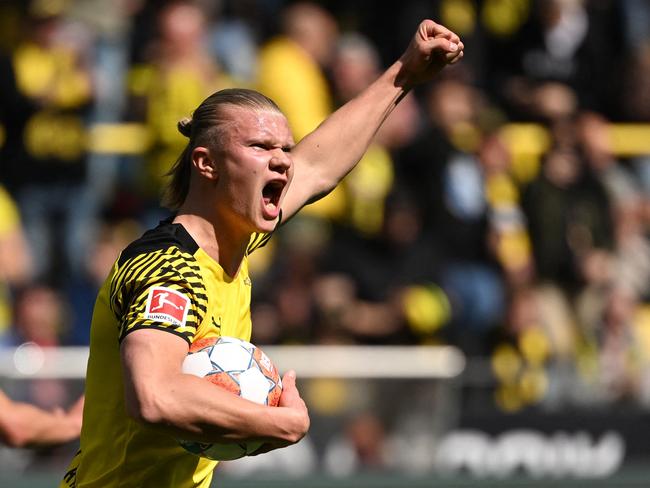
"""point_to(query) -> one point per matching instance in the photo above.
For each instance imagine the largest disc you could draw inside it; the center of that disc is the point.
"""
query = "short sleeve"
(160, 290)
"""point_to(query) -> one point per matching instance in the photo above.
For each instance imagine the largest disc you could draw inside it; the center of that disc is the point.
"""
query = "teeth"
(268, 202)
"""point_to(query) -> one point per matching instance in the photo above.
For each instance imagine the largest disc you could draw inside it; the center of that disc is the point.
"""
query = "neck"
(222, 241)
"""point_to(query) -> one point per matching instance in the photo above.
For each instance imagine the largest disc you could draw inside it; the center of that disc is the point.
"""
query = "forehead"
(259, 123)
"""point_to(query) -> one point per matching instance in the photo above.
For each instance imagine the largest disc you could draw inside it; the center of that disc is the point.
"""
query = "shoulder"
(162, 257)
(158, 283)
(164, 237)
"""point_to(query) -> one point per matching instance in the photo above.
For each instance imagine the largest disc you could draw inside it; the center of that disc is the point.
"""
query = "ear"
(204, 162)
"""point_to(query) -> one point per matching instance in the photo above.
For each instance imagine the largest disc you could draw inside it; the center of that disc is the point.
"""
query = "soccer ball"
(241, 368)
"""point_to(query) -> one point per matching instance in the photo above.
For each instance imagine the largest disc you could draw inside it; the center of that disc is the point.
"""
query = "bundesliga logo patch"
(166, 305)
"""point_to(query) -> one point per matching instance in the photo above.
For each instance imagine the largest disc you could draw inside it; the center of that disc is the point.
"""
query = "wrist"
(401, 76)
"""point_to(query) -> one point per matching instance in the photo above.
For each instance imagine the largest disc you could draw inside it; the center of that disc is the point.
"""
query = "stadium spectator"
(568, 42)
(360, 199)
(294, 271)
(569, 216)
(356, 209)
(80, 293)
(110, 26)
(636, 101)
(49, 90)
(235, 34)
(40, 319)
(178, 72)
(508, 239)
(444, 173)
(593, 136)
(27, 424)
(15, 260)
(302, 297)
(383, 273)
(39, 316)
(291, 66)
(540, 338)
(361, 446)
(636, 15)
(238, 177)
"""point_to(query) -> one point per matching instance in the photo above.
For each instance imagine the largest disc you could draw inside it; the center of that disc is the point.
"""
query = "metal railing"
(426, 362)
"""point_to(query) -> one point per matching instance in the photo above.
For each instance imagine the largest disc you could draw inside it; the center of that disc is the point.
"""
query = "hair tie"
(185, 126)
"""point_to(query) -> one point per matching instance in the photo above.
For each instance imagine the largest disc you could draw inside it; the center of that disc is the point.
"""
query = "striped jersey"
(164, 281)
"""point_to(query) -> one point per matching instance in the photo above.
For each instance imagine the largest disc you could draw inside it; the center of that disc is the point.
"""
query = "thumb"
(289, 379)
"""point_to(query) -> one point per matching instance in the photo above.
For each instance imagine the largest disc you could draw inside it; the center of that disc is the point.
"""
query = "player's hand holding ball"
(299, 416)
(240, 368)
(245, 370)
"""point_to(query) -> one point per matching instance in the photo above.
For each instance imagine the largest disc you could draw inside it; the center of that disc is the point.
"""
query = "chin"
(267, 226)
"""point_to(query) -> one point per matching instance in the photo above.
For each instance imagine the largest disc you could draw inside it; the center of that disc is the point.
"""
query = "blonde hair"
(204, 129)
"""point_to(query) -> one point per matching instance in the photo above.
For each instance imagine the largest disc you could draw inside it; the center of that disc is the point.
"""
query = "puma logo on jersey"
(216, 324)
(167, 305)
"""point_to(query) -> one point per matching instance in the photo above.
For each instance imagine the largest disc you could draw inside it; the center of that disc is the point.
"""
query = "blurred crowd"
(499, 209)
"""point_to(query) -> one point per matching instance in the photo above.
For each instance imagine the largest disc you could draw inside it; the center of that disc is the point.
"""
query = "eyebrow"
(268, 140)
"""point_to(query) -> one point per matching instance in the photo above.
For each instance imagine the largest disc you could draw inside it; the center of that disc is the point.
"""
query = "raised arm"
(326, 155)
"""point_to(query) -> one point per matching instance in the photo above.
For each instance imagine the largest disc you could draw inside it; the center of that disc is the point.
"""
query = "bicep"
(150, 359)
(307, 186)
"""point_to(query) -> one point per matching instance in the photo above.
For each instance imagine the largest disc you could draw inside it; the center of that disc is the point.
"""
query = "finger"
(453, 37)
(444, 35)
(289, 379)
(437, 37)
(453, 55)
(442, 44)
(427, 29)
(289, 376)
(450, 57)
(439, 30)
(457, 58)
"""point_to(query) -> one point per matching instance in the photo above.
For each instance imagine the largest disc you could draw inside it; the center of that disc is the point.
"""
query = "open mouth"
(271, 193)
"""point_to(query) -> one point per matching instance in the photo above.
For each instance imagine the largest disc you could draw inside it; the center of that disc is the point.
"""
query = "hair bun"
(185, 126)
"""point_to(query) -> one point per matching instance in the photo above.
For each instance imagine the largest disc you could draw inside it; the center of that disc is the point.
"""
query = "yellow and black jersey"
(164, 281)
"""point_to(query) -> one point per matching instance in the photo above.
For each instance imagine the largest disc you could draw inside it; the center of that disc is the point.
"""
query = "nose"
(280, 161)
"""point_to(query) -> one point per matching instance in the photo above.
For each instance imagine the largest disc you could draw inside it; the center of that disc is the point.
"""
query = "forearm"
(192, 408)
(326, 155)
(26, 425)
(335, 147)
